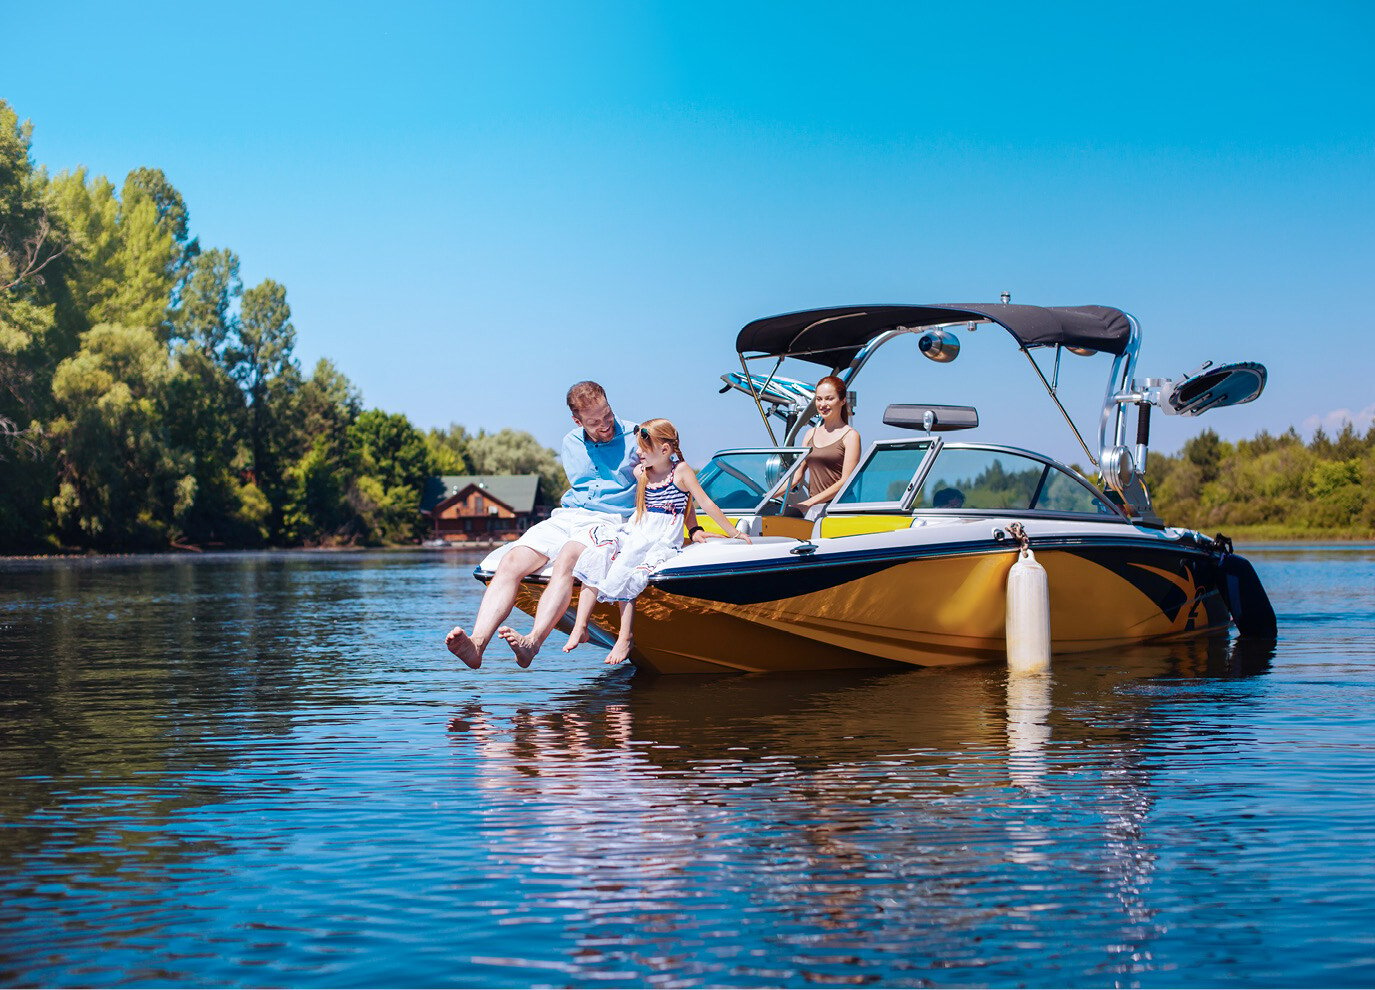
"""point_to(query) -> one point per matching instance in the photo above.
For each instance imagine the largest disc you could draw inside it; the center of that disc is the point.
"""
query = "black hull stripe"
(752, 585)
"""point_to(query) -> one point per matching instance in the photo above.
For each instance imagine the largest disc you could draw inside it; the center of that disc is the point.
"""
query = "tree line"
(148, 399)
(1270, 486)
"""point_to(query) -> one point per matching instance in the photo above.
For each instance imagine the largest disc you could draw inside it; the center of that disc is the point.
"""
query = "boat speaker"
(939, 345)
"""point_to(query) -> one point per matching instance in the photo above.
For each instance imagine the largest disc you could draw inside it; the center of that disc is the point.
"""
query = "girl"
(834, 443)
(617, 565)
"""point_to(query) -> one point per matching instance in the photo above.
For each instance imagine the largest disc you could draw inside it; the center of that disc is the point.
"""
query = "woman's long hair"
(651, 433)
(841, 393)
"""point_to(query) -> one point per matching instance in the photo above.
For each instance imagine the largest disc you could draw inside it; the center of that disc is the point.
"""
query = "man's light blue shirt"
(601, 474)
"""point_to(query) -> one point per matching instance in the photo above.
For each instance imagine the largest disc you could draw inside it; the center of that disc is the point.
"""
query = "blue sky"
(474, 205)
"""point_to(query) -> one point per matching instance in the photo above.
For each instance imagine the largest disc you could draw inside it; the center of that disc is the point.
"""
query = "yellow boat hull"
(933, 611)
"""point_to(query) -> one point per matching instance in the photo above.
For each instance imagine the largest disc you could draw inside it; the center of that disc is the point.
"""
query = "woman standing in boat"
(834, 446)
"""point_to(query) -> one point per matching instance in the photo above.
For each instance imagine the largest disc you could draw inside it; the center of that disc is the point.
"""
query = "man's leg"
(497, 602)
(553, 603)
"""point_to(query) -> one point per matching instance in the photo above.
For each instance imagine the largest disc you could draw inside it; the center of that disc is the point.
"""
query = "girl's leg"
(623, 641)
(578, 636)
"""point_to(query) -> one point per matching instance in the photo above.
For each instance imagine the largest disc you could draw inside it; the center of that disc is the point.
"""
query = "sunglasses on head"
(644, 433)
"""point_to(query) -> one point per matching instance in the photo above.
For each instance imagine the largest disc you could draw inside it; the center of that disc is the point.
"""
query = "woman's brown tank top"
(824, 464)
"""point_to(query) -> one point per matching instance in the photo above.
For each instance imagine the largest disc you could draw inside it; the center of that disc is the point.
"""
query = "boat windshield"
(983, 478)
(739, 481)
(886, 477)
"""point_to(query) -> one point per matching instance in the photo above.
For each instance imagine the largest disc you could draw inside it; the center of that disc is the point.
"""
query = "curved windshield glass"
(738, 481)
(971, 478)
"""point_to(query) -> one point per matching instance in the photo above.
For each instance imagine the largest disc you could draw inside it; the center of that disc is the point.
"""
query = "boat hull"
(918, 605)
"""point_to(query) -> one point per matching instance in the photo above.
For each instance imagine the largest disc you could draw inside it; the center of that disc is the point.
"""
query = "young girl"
(617, 565)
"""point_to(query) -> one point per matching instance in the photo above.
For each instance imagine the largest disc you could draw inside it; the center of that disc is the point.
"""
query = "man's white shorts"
(564, 526)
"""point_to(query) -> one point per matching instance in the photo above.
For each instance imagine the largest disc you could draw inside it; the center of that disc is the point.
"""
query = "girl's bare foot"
(462, 646)
(618, 652)
(524, 647)
(576, 638)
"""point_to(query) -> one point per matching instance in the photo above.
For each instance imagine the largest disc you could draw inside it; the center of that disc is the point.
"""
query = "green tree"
(210, 411)
(32, 262)
(266, 371)
(316, 508)
(393, 462)
(448, 449)
(122, 483)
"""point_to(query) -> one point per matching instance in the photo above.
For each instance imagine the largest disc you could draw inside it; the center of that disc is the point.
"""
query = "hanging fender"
(1245, 596)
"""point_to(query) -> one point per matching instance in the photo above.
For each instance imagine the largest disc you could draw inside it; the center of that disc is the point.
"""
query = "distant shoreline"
(227, 551)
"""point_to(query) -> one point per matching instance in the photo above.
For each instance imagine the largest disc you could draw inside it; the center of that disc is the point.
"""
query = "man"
(599, 457)
(948, 498)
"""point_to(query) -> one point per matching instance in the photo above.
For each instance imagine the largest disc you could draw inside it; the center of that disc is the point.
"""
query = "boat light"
(1081, 351)
(939, 345)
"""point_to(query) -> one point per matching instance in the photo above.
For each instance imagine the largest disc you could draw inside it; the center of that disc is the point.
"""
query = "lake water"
(265, 770)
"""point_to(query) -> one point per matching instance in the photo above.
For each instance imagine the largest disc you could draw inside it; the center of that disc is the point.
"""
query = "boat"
(894, 572)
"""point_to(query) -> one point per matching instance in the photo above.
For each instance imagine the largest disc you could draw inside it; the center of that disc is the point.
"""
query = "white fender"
(1028, 616)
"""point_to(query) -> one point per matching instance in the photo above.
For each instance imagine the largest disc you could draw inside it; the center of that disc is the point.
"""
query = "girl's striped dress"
(621, 558)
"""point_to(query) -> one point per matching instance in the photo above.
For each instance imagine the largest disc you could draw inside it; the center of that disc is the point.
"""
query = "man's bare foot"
(462, 646)
(524, 647)
(576, 638)
(618, 652)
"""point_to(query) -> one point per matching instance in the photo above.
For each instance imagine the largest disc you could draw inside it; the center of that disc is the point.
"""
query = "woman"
(834, 447)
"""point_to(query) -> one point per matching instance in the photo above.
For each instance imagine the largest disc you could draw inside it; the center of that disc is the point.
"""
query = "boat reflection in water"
(856, 824)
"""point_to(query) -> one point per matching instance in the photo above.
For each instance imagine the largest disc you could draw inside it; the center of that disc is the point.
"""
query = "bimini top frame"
(844, 338)
(833, 337)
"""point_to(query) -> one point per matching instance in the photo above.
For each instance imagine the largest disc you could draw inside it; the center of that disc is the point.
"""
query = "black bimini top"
(832, 337)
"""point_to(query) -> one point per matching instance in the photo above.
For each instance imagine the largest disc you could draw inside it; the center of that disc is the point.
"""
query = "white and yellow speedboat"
(885, 575)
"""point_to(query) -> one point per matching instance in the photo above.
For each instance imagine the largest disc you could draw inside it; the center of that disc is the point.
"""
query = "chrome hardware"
(941, 346)
(1117, 468)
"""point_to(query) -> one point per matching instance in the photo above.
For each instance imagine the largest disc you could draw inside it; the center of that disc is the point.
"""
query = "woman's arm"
(847, 467)
(686, 479)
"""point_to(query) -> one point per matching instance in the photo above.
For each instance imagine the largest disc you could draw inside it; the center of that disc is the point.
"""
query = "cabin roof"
(518, 492)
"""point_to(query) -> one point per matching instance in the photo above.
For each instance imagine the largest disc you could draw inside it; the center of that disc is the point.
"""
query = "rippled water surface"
(265, 770)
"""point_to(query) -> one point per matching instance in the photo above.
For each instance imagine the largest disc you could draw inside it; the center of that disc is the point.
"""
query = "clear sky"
(473, 205)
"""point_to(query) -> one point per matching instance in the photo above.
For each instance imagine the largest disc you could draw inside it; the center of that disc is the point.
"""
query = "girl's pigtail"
(641, 483)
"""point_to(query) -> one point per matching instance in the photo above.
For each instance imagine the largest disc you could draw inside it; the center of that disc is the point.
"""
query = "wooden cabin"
(467, 508)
